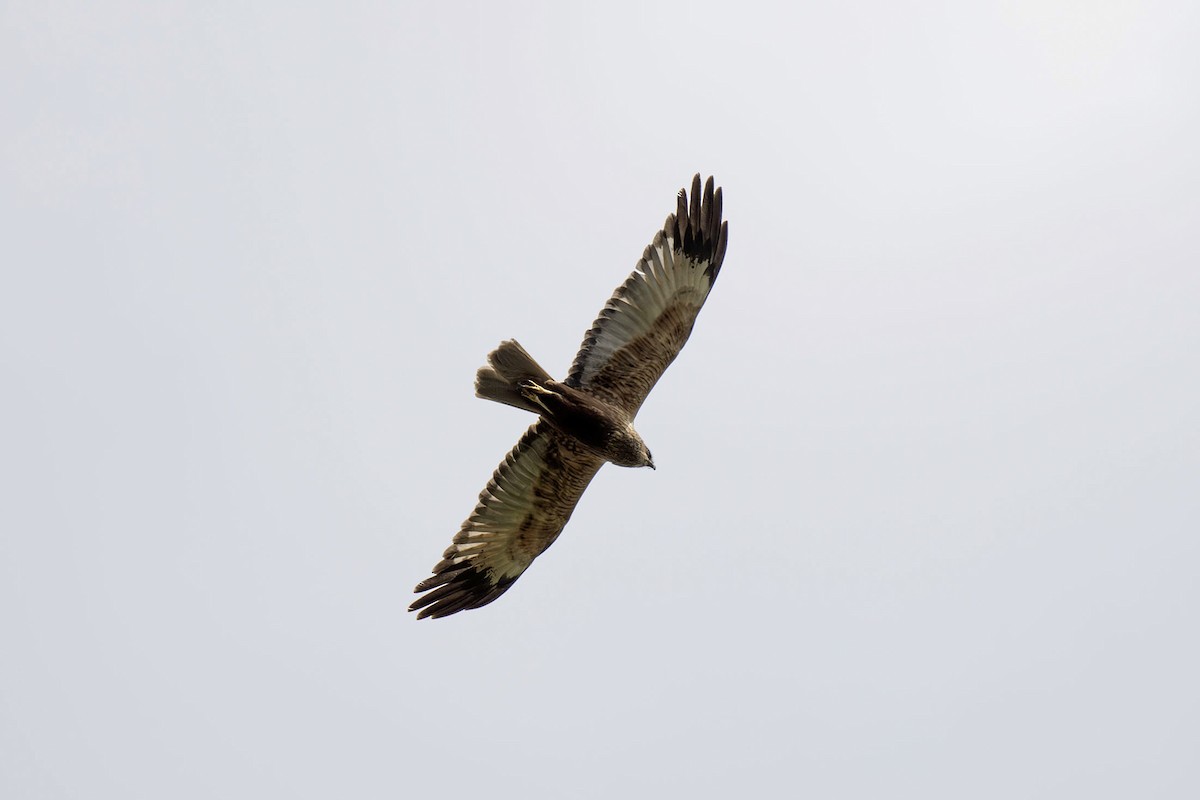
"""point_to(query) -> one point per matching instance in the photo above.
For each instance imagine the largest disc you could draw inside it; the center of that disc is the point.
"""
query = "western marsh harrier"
(584, 420)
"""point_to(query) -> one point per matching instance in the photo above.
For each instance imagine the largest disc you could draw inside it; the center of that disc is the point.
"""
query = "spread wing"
(520, 513)
(645, 324)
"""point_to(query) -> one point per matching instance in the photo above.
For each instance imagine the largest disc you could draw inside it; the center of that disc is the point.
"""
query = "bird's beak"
(650, 465)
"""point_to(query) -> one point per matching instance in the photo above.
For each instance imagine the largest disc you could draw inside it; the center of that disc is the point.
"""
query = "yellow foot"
(536, 393)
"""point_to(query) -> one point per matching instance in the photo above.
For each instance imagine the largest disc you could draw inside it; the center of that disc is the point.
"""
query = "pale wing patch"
(646, 322)
(662, 279)
(488, 538)
(520, 513)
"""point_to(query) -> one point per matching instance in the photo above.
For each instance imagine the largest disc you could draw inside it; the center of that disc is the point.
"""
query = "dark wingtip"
(697, 227)
(456, 588)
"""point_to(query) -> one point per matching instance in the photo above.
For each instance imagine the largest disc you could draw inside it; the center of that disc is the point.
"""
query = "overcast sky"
(925, 517)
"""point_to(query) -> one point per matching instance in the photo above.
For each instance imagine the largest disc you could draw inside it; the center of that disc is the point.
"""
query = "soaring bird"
(584, 420)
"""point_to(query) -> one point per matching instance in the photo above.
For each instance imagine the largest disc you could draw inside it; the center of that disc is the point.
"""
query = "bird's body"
(514, 378)
(585, 419)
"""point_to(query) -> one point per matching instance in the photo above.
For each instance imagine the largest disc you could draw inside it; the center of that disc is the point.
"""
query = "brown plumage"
(585, 419)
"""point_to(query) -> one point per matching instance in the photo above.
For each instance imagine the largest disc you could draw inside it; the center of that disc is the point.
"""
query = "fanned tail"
(508, 366)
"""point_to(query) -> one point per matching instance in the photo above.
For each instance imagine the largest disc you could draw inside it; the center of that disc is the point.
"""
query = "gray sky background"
(925, 518)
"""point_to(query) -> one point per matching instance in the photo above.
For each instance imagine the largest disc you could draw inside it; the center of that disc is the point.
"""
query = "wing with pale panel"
(649, 318)
(520, 513)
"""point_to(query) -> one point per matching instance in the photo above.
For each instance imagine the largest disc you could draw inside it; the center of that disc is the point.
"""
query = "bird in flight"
(584, 420)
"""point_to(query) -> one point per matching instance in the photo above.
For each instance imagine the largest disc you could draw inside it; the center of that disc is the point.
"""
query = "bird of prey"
(584, 420)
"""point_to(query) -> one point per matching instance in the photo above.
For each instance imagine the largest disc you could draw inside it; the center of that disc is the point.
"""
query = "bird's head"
(642, 457)
(628, 450)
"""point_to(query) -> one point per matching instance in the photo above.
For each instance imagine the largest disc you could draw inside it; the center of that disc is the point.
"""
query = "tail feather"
(508, 366)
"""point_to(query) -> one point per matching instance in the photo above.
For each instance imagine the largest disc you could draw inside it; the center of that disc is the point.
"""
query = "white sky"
(925, 518)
